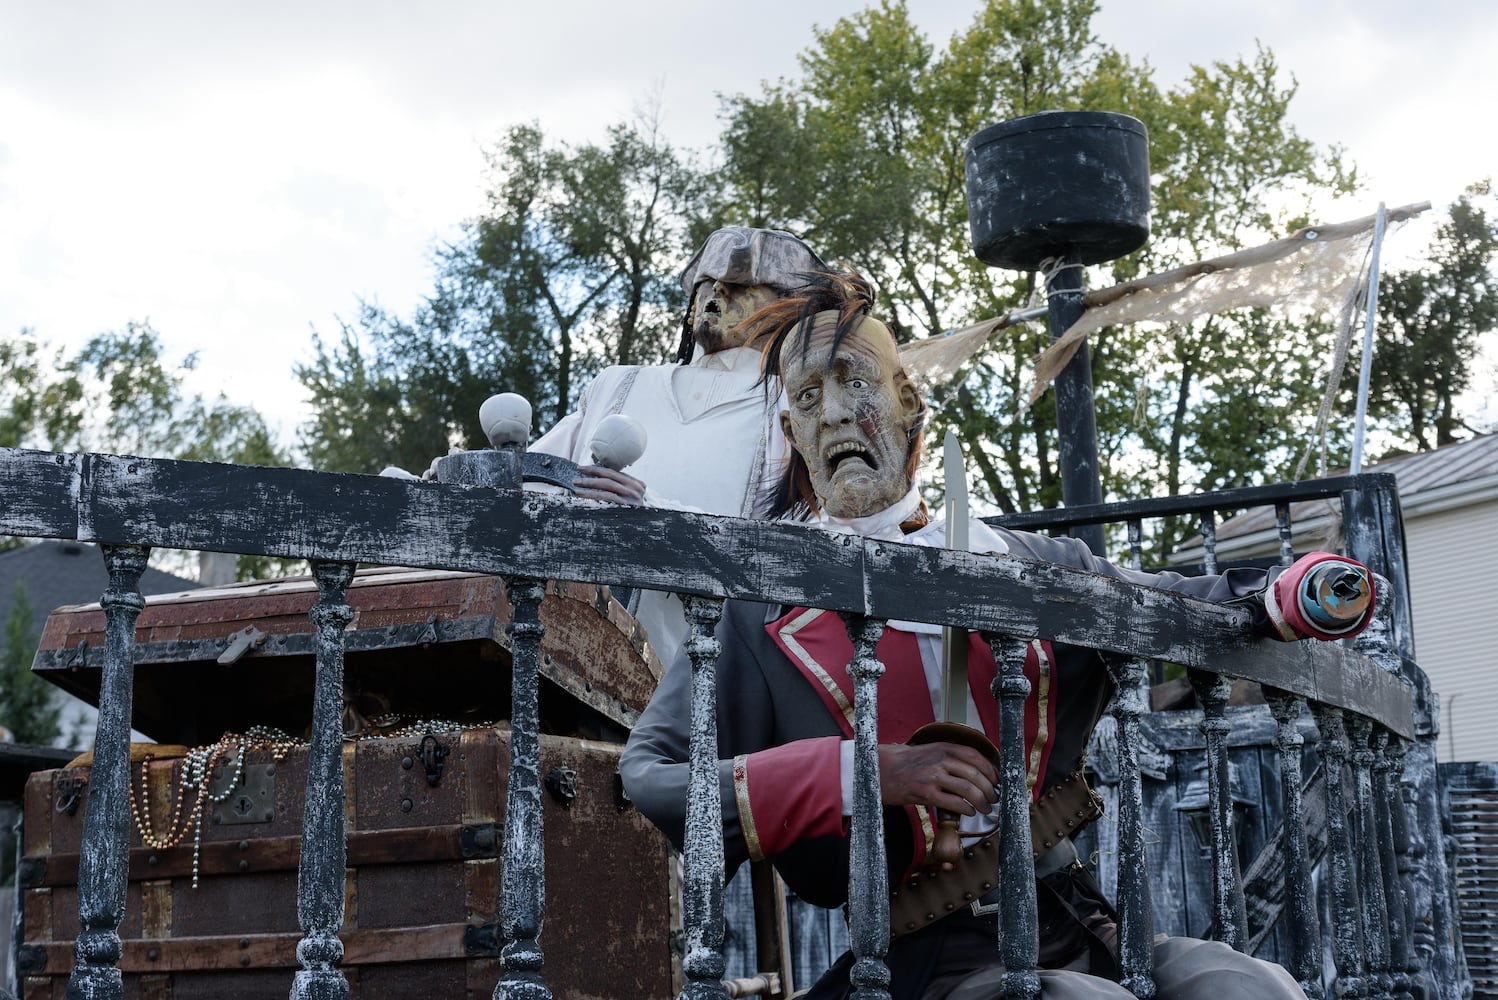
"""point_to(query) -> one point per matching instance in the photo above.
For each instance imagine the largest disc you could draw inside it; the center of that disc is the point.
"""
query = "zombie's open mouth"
(840, 453)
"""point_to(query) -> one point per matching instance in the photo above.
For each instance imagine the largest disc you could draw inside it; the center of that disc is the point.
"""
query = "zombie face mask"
(851, 414)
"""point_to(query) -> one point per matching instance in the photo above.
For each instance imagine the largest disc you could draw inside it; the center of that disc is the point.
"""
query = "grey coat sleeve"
(1235, 586)
(655, 765)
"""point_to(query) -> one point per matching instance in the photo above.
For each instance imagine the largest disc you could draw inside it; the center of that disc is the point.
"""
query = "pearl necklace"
(196, 776)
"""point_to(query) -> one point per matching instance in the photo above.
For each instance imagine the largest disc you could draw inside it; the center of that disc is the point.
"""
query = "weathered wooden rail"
(335, 521)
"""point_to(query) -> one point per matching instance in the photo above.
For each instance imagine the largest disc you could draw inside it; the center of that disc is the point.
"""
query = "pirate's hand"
(1321, 596)
(946, 776)
(431, 470)
(597, 482)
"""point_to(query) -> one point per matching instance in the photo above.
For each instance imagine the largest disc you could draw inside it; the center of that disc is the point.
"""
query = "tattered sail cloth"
(1314, 271)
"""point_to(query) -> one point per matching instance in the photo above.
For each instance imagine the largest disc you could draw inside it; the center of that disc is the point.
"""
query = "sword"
(954, 640)
(952, 726)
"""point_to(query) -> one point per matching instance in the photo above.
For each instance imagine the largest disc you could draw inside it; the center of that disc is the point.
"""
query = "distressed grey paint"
(315, 515)
(1136, 907)
(1370, 864)
(1228, 911)
(523, 864)
(320, 875)
(1394, 821)
(321, 515)
(1019, 948)
(1347, 936)
(868, 882)
(1300, 900)
(702, 888)
(103, 856)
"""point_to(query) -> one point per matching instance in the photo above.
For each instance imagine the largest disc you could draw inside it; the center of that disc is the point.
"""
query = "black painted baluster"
(1228, 908)
(103, 855)
(1209, 541)
(1136, 544)
(1136, 913)
(868, 882)
(1398, 955)
(1370, 864)
(1018, 934)
(522, 891)
(702, 888)
(1282, 526)
(1347, 936)
(1390, 836)
(1408, 978)
(320, 876)
(1300, 897)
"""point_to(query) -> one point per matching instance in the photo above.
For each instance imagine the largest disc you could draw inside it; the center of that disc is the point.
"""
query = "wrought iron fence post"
(320, 877)
(1300, 895)
(1019, 946)
(522, 892)
(1136, 913)
(868, 882)
(702, 889)
(1228, 907)
(103, 855)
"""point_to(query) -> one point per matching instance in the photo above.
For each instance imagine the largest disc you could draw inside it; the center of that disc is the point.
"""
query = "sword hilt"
(946, 849)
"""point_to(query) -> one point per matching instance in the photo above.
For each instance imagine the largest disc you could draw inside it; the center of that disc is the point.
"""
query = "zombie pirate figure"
(712, 440)
(784, 696)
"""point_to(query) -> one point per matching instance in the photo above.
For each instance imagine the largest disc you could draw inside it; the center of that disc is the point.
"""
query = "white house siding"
(1455, 608)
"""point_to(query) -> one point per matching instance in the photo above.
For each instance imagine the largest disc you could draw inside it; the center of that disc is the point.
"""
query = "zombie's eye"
(858, 384)
(807, 395)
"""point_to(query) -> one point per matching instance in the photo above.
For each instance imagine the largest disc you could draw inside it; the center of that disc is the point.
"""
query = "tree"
(570, 268)
(864, 154)
(27, 706)
(119, 394)
(1430, 321)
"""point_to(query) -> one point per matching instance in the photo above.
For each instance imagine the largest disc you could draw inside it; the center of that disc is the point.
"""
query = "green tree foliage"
(1429, 323)
(571, 267)
(864, 154)
(118, 393)
(27, 707)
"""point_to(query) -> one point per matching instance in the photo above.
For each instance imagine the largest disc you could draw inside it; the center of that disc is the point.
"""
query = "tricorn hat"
(740, 255)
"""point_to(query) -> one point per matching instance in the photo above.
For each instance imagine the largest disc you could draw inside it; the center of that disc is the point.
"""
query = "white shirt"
(712, 439)
(712, 442)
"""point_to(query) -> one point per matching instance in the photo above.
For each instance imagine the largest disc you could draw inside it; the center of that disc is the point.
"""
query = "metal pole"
(1366, 371)
(1076, 423)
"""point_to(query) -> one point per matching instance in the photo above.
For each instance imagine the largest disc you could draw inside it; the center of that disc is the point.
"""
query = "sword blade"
(954, 641)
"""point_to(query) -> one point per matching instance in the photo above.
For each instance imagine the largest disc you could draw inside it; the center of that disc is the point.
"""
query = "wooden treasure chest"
(223, 682)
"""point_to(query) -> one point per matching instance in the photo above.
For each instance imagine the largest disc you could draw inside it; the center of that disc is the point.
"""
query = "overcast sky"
(242, 174)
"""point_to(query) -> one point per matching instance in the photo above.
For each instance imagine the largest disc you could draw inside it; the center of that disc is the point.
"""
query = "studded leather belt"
(930, 894)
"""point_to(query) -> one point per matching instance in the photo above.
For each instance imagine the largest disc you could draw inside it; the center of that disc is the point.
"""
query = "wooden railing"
(1362, 703)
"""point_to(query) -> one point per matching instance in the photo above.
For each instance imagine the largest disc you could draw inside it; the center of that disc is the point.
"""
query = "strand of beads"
(195, 779)
(141, 813)
(393, 725)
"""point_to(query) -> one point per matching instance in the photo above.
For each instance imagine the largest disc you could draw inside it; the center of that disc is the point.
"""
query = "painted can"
(1058, 184)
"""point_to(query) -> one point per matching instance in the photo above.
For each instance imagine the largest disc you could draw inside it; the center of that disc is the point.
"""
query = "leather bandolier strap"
(928, 895)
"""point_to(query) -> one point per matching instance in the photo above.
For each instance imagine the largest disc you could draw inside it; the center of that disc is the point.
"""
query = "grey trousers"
(1185, 969)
